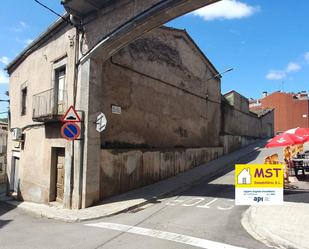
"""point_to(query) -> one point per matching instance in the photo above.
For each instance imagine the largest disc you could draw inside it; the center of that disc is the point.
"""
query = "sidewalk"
(141, 196)
(279, 226)
(285, 226)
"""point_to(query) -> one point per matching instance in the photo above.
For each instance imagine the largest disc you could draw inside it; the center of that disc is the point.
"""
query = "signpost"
(70, 131)
(101, 122)
(70, 115)
(259, 184)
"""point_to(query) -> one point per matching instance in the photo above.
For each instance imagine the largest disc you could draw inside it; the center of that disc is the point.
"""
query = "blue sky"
(267, 42)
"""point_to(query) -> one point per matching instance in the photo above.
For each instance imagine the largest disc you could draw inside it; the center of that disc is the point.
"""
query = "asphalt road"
(202, 217)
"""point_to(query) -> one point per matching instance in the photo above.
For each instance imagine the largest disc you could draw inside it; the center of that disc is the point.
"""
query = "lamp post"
(216, 76)
(220, 74)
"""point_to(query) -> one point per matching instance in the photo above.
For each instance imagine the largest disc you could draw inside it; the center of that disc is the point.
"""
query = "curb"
(262, 234)
(177, 190)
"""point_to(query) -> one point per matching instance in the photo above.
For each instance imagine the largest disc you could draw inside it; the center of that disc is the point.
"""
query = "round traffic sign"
(70, 131)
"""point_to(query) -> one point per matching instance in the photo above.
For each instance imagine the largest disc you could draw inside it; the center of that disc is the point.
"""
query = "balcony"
(49, 105)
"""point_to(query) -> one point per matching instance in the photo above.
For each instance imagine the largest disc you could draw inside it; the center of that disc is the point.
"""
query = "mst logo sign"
(259, 184)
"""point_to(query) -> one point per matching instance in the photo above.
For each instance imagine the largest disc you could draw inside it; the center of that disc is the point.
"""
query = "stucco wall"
(36, 73)
(125, 170)
(160, 82)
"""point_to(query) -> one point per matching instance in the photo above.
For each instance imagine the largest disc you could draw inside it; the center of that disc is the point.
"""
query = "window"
(23, 100)
(60, 89)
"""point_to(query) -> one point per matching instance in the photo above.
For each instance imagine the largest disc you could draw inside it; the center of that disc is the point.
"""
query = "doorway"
(15, 175)
(57, 174)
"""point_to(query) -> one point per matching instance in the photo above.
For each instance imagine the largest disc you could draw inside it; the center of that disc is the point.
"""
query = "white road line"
(184, 239)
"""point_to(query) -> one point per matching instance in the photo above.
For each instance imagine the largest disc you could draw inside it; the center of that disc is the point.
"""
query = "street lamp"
(216, 76)
(220, 74)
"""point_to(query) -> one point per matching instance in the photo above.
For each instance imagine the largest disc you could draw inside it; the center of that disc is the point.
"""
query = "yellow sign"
(259, 184)
(259, 176)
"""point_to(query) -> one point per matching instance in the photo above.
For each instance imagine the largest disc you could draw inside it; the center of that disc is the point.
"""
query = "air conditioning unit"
(16, 134)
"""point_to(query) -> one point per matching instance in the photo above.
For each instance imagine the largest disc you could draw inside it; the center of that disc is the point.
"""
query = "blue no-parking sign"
(70, 131)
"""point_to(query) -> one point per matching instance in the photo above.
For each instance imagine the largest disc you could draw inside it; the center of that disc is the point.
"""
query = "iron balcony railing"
(49, 104)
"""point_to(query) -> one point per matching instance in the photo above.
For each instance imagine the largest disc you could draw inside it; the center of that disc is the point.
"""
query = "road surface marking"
(174, 202)
(207, 205)
(175, 237)
(195, 201)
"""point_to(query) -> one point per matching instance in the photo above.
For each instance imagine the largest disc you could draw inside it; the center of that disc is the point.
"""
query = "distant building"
(291, 110)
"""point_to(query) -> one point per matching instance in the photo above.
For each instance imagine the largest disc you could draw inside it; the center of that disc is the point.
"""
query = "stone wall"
(160, 83)
(237, 122)
(239, 126)
(121, 171)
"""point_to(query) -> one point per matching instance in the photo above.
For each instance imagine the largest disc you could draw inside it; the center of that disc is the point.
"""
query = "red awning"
(285, 139)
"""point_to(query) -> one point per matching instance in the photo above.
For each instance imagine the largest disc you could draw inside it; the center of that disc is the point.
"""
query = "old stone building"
(161, 99)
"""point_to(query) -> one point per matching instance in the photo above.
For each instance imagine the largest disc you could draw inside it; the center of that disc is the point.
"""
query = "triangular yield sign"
(70, 115)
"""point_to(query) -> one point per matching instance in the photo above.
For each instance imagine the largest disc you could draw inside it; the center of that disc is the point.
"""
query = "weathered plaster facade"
(160, 82)
(167, 124)
(170, 103)
(36, 73)
(106, 29)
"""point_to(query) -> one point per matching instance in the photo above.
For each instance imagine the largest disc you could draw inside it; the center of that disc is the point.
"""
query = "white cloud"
(20, 27)
(3, 78)
(226, 9)
(23, 24)
(306, 56)
(293, 67)
(4, 60)
(275, 75)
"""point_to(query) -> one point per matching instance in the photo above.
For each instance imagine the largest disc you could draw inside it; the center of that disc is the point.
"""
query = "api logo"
(258, 199)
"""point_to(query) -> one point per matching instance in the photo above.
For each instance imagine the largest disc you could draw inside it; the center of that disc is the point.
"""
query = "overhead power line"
(51, 10)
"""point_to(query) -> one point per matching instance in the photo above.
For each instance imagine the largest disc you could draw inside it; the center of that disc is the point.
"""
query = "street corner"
(278, 226)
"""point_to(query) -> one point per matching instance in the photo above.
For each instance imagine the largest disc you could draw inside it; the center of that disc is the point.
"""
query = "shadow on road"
(4, 208)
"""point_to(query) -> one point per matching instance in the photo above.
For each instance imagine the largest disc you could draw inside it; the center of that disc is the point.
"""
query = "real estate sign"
(259, 184)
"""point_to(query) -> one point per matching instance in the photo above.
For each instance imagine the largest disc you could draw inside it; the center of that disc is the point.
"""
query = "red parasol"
(285, 139)
(302, 132)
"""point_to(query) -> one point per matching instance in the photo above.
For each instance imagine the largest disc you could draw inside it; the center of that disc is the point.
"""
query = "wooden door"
(59, 174)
